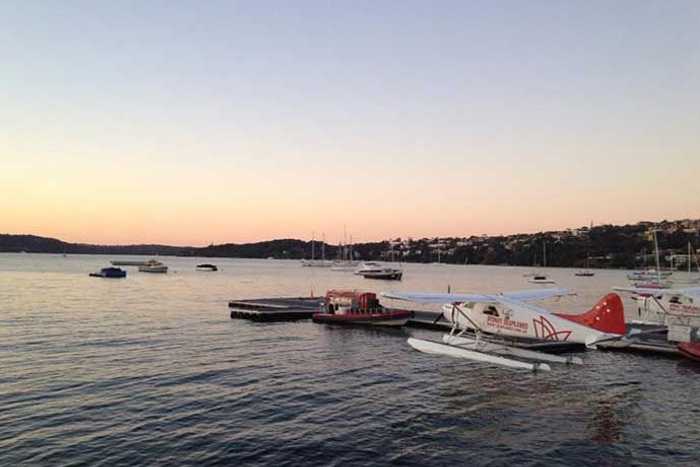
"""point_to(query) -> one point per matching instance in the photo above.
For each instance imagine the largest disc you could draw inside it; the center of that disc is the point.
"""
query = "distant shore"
(600, 247)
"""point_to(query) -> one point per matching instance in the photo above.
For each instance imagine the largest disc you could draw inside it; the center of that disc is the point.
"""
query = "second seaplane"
(494, 317)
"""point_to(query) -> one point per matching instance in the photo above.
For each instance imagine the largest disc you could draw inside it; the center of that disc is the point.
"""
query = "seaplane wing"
(687, 291)
(536, 294)
(505, 297)
(440, 298)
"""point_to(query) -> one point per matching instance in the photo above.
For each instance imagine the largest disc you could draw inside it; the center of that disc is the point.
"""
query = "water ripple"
(152, 371)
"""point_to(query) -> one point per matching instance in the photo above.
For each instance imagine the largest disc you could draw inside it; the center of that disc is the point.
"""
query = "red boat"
(690, 349)
(353, 307)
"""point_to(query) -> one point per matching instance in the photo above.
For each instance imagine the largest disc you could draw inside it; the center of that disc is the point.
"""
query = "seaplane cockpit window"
(491, 311)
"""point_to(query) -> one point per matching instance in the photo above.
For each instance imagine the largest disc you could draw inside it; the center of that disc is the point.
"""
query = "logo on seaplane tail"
(545, 330)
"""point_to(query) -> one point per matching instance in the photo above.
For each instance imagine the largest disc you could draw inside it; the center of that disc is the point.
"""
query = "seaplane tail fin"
(608, 315)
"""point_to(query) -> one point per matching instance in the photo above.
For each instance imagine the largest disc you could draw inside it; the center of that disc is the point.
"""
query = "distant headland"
(603, 246)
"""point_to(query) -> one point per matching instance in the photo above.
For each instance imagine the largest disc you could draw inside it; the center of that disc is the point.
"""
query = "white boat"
(313, 262)
(688, 280)
(652, 278)
(345, 261)
(537, 277)
(585, 272)
(647, 275)
(372, 270)
(154, 267)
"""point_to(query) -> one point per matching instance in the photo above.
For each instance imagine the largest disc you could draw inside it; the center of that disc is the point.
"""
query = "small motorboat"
(353, 307)
(207, 267)
(541, 279)
(377, 271)
(154, 267)
(111, 273)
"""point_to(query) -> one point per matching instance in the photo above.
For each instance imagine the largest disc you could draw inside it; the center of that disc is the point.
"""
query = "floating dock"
(275, 309)
(299, 308)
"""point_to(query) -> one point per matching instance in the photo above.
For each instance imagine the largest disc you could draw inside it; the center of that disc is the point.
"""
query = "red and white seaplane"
(510, 315)
(677, 310)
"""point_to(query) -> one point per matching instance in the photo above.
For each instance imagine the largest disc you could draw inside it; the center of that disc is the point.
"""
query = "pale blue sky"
(275, 113)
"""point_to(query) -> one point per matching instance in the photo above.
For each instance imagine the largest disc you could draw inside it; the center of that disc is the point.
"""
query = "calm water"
(151, 370)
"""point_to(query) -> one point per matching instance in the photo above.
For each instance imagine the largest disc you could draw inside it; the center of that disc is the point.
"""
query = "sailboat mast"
(323, 248)
(544, 253)
(313, 249)
(658, 263)
(689, 258)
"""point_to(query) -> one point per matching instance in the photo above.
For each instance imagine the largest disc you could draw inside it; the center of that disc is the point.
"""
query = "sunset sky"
(186, 122)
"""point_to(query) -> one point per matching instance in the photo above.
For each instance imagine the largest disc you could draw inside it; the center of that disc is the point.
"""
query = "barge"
(275, 309)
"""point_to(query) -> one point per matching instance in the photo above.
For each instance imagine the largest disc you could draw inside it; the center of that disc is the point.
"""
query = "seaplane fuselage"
(521, 320)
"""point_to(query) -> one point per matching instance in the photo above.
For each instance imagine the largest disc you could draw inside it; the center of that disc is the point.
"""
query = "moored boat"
(649, 274)
(353, 307)
(654, 284)
(128, 263)
(207, 267)
(377, 271)
(541, 279)
(154, 267)
(111, 273)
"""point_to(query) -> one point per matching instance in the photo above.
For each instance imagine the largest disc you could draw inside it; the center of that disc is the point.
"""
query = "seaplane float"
(496, 319)
(672, 313)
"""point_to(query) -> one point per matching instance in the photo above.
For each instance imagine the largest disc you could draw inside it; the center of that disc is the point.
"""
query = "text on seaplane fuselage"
(509, 324)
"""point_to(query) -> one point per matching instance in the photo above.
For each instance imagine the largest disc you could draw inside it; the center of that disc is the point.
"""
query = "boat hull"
(154, 269)
(393, 276)
(542, 281)
(391, 318)
(690, 350)
(110, 273)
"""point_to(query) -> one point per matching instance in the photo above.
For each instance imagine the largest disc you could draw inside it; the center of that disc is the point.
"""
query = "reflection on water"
(151, 370)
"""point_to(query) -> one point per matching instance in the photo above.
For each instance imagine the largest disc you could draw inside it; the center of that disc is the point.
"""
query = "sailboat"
(689, 279)
(652, 278)
(346, 260)
(313, 262)
(586, 272)
(539, 277)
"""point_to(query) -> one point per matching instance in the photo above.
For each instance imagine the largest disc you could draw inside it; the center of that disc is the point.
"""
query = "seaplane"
(675, 312)
(496, 318)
